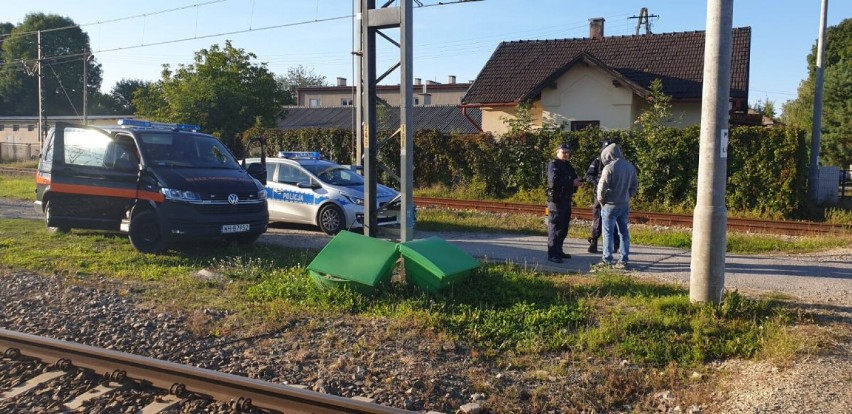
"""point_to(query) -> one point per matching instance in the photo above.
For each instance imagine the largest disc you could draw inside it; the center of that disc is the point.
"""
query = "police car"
(303, 188)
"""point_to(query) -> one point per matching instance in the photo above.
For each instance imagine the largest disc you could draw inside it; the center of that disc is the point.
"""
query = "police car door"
(93, 177)
(289, 202)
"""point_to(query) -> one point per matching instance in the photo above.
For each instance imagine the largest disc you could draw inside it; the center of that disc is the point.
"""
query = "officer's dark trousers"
(557, 226)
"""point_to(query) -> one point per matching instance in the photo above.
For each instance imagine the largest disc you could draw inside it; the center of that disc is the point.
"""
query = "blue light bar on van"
(314, 155)
(158, 125)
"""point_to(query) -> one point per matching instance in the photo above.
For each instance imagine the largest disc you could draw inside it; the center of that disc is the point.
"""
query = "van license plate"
(235, 228)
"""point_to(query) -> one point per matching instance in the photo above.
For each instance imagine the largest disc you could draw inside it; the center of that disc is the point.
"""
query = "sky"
(133, 39)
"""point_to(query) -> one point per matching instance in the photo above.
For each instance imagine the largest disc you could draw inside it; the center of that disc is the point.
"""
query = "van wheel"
(242, 238)
(331, 219)
(48, 211)
(145, 234)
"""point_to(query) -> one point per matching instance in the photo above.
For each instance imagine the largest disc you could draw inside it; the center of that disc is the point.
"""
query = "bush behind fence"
(767, 167)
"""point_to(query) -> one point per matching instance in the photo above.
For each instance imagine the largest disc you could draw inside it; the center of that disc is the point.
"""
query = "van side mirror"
(258, 171)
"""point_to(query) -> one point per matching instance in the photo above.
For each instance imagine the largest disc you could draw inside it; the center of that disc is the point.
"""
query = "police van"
(156, 182)
(305, 188)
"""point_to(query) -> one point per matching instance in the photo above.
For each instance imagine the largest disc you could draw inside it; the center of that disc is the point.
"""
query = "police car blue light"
(158, 125)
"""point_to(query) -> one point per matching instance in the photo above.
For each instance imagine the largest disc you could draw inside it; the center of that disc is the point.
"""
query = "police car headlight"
(180, 195)
(355, 200)
(261, 195)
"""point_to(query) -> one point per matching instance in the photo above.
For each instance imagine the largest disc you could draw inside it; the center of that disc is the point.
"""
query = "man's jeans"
(612, 216)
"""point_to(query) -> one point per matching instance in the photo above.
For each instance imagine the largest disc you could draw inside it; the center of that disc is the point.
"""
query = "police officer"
(562, 179)
(593, 174)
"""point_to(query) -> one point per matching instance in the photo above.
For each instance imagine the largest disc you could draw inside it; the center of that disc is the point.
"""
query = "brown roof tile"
(518, 70)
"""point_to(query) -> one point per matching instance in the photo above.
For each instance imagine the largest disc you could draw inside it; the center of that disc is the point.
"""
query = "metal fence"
(18, 152)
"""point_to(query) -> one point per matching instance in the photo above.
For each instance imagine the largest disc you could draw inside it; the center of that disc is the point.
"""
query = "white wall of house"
(587, 93)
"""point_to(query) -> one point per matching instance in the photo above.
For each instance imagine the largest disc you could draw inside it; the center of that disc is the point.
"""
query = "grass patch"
(19, 188)
(500, 309)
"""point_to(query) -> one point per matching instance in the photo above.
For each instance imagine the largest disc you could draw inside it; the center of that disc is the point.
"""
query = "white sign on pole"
(723, 144)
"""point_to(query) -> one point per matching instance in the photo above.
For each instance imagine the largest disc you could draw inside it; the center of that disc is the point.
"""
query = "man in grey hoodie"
(617, 185)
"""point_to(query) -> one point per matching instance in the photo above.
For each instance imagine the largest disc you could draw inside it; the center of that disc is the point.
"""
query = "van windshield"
(186, 150)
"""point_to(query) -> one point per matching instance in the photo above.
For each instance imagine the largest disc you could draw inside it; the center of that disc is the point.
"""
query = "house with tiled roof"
(601, 81)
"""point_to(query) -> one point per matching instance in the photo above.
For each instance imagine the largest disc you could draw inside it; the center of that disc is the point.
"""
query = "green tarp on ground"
(434, 263)
(362, 263)
(354, 260)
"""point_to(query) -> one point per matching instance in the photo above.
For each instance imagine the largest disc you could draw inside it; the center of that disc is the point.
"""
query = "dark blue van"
(156, 182)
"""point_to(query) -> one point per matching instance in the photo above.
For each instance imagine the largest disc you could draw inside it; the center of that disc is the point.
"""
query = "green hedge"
(767, 167)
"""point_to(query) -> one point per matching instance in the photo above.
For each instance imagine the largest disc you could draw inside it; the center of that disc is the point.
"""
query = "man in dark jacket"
(618, 184)
(561, 182)
(593, 174)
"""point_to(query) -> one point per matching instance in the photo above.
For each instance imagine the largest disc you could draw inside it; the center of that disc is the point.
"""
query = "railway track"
(65, 371)
(791, 228)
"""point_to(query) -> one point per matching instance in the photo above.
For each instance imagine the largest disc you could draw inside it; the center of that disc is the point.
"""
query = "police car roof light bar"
(313, 155)
(158, 125)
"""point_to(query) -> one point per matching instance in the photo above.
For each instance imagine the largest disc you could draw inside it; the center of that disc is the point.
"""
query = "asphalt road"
(824, 277)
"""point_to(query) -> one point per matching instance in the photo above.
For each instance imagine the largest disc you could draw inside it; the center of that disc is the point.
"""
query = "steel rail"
(169, 375)
(796, 228)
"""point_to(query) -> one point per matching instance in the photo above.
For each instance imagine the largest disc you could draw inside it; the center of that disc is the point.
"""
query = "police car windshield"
(186, 150)
(334, 174)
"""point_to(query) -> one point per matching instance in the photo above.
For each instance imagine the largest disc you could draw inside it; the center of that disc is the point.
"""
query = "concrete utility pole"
(813, 173)
(371, 20)
(710, 219)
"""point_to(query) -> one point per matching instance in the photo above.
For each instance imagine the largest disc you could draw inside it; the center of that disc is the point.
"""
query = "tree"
(122, 95)
(765, 108)
(659, 113)
(299, 77)
(836, 134)
(222, 91)
(62, 54)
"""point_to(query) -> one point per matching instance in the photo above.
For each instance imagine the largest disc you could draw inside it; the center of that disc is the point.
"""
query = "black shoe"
(554, 259)
(565, 256)
(593, 248)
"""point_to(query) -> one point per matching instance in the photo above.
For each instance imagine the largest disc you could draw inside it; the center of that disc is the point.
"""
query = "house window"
(2, 127)
(15, 127)
(30, 128)
(416, 101)
(581, 125)
(346, 102)
(315, 102)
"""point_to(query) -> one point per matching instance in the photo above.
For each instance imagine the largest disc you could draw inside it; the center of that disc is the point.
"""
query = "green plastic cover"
(433, 263)
(354, 260)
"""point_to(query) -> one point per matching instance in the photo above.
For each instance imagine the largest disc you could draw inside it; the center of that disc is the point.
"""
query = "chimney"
(596, 28)
(341, 81)
(452, 79)
(417, 81)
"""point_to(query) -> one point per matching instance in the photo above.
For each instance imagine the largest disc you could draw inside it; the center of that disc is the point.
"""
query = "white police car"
(302, 187)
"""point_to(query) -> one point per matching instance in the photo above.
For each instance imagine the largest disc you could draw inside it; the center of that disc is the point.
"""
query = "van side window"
(121, 155)
(46, 163)
(84, 147)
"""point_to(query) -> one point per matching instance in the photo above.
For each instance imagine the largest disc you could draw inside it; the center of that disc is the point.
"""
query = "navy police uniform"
(560, 191)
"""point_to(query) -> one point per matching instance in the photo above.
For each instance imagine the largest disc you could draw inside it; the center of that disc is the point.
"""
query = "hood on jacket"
(611, 153)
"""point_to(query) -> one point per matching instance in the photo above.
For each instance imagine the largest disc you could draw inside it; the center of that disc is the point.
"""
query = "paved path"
(821, 277)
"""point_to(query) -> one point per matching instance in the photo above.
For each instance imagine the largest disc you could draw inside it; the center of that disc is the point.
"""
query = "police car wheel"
(145, 234)
(49, 212)
(331, 219)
